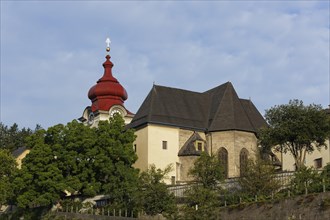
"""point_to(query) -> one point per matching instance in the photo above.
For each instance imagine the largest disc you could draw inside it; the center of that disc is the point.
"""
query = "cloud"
(52, 52)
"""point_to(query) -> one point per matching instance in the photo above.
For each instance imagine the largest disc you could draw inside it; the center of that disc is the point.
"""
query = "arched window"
(223, 159)
(243, 160)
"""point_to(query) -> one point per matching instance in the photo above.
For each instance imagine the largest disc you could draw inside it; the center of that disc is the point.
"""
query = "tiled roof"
(217, 109)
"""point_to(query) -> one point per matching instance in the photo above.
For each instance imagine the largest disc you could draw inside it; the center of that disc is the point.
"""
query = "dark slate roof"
(16, 153)
(217, 109)
(189, 149)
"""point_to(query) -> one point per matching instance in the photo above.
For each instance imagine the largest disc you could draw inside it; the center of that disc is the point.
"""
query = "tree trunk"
(300, 159)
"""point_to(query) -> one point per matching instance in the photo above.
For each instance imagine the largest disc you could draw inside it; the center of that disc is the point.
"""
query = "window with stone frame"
(243, 160)
(223, 160)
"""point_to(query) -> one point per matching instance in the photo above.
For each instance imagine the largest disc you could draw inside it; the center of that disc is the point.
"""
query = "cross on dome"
(108, 41)
(107, 91)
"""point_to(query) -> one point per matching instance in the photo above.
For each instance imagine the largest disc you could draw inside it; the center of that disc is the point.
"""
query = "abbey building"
(174, 126)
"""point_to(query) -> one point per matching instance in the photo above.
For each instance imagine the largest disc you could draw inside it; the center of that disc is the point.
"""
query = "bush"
(306, 180)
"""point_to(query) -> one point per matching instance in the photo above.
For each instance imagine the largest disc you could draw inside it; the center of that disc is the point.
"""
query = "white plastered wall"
(159, 156)
(288, 163)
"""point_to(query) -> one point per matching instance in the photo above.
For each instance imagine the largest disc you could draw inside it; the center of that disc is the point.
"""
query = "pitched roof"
(217, 109)
(16, 153)
(189, 149)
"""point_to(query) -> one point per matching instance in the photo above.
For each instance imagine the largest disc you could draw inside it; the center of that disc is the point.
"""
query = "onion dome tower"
(107, 96)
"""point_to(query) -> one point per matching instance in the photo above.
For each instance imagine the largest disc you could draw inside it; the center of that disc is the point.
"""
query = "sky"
(52, 52)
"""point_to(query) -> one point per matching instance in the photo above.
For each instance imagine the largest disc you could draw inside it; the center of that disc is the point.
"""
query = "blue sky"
(52, 52)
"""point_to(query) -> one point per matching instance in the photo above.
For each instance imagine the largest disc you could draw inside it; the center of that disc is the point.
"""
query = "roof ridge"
(246, 113)
(185, 90)
(153, 91)
(218, 108)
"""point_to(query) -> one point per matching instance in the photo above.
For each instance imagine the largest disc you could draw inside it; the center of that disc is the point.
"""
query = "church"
(174, 126)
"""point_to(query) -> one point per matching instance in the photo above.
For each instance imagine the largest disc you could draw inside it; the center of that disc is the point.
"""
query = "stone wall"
(185, 164)
(309, 207)
(233, 142)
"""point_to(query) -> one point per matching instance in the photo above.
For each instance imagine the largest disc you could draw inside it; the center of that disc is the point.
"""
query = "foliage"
(326, 176)
(259, 178)
(202, 203)
(295, 128)
(79, 160)
(207, 171)
(7, 172)
(12, 137)
(155, 198)
(307, 178)
(203, 197)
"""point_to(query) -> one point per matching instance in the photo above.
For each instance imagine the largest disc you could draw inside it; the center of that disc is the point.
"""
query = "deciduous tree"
(155, 197)
(259, 178)
(79, 160)
(203, 197)
(295, 128)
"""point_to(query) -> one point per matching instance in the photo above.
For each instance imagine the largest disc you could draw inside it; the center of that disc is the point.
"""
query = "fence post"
(289, 193)
(323, 183)
(240, 200)
(306, 190)
(114, 212)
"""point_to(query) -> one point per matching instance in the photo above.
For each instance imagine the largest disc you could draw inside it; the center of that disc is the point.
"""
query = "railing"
(232, 195)
(284, 179)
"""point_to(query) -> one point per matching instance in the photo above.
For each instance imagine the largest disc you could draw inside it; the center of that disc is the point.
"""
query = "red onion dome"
(107, 91)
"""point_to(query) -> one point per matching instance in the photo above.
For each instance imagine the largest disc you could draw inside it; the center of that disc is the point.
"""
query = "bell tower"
(107, 97)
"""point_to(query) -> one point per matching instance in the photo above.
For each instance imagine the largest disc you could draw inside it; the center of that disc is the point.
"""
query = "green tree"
(80, 160)
(12, 137)
(307, 179)
(8, 169)
(39, 182)
(326, 176)
(295, 128)
(114, 161)
(155, 197)
(259, 178)
(203, 197)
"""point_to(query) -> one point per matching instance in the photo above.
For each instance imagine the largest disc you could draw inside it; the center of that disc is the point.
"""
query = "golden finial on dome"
(107, 41)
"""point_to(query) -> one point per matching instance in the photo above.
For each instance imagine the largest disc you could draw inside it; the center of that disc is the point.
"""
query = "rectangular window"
(318, 163)
(164, 145)
(199, 146)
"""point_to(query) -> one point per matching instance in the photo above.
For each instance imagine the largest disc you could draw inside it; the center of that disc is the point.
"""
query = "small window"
(318, 163)
(199, 145)
(164, 145)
